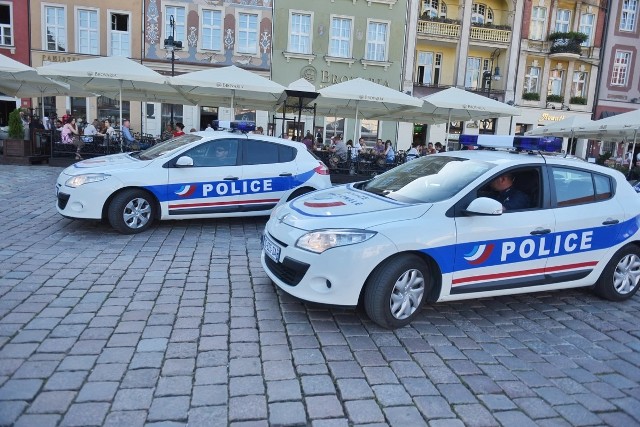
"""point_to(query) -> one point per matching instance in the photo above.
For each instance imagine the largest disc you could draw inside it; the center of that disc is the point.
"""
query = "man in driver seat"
(510, 197)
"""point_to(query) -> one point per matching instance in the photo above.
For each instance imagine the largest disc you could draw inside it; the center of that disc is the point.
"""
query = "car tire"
(131, 211)
(396, 291)
(620, 279)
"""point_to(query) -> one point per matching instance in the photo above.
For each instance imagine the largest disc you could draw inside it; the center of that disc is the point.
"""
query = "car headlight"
(78, 180)
(321, 240)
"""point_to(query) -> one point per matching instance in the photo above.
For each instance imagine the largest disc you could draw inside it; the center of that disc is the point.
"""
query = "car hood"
(106, 164)
(346, 207)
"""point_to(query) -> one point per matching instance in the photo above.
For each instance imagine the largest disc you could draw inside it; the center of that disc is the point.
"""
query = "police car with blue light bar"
(457, 225)
(199, 175)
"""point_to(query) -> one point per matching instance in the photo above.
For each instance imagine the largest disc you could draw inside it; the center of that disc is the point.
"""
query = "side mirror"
(484, 206)
(184, 161)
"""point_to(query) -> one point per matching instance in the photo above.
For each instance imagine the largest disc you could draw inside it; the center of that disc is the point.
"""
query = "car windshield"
(167, 146)
(427, 179)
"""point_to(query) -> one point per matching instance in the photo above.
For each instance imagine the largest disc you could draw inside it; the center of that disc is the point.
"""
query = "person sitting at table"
(127, 137)
(92, 128)
(389, 153)
(339, 148)
(179, 130)
(379, 148)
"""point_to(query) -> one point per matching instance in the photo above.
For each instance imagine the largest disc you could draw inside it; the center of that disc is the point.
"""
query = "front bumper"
(334, 277)
(84, 202)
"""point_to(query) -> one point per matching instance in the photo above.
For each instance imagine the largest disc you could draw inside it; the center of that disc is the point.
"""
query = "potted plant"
(554, 98)
(531, 96)
(579, 100)
(15, 145)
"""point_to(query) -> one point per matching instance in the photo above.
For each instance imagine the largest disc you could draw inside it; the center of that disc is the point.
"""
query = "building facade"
(619, 85)
(14, 43)
(72, 30)
(213, 33)
(331, 41)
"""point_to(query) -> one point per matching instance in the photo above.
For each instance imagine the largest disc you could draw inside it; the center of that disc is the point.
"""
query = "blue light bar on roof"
(241, 126)
(525, 143)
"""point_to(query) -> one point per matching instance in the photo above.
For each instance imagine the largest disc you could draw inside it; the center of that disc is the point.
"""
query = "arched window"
(434, 9)
(481, 13)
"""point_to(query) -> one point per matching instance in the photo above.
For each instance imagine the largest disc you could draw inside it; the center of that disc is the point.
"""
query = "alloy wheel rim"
(137, 213)
(407, 293)
(627, 274)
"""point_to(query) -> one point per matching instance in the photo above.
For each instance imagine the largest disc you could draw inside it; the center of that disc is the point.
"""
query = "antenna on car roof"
(233, 126)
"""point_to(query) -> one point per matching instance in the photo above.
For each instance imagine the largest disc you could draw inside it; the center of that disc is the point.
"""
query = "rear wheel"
(298, 192)
(621, 277)
(396, 290)
(131, 211)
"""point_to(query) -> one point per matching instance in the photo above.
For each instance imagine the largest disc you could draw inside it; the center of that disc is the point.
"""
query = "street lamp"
(487, 77)
(172, 45)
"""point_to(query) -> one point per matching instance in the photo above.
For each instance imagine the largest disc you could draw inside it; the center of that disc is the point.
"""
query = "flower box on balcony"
(578, 100)
(567, 44)
(554, 98)
(531, 96)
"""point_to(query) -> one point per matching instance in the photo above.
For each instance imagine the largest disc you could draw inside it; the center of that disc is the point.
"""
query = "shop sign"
(50, 58)
(546, 117)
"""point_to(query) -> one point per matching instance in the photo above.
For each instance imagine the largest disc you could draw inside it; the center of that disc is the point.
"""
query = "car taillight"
(321, 169)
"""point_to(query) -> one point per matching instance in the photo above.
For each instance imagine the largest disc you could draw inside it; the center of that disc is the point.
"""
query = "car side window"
(219, 152)
(263, 152)
(525, 181)
(576, 187)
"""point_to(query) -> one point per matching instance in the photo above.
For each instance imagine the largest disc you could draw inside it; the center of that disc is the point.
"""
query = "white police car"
(431, 230)
(200, 175)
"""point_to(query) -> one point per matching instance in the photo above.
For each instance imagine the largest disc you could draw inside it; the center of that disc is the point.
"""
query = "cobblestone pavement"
(179, 325)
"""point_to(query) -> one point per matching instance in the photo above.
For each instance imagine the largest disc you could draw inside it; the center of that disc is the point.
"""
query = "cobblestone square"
(179, 325)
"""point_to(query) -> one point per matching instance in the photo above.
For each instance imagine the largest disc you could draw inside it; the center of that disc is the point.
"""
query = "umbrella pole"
(446, 138)
(355, 128)
(233, 110)
(633, 149)
(121, 124)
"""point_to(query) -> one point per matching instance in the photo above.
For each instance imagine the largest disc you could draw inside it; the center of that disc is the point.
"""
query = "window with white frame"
(6, 27)
(87, 25)
(587, 21)
(179, 20)
(434, 9)
(120, 34)
(300, 32)
(538, 20)
(377, 33)
(55, 29)
(340, 38)
(563, 20)
(481, 14)
(532, 80)
(247, 28)
(579, 84)
(555, 82)
(473, 78)
(620, 72)
(424, 71)
(212, 28)
(629, 15)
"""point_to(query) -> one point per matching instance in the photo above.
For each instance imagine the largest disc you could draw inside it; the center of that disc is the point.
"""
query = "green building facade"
(331, 41)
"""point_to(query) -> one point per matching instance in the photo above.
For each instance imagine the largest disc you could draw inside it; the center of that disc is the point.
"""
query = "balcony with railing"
(498, 34)
(448, 28)
(566, 45)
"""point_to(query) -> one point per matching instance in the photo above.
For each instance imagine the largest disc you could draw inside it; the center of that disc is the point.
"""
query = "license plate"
(270, 248)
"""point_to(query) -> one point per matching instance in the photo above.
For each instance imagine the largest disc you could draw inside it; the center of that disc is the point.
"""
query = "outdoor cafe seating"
(365, 165)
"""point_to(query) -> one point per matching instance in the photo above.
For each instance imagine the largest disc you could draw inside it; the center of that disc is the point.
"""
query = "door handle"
(286, 174)
(540, 231)
(610, 222)
(231, 178)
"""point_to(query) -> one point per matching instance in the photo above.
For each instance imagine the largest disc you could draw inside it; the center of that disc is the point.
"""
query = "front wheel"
(396, 290)
(131, 211)
(621, 277)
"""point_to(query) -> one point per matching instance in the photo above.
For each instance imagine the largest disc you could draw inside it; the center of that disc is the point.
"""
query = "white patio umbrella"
(621, 126)
(229, 86)
(22, 81)
(453, 104)
(366, 98)
(565, 128)
(110, 75)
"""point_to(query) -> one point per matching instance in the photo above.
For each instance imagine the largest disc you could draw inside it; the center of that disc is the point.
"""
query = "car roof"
(503, 157)
(208, 135)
